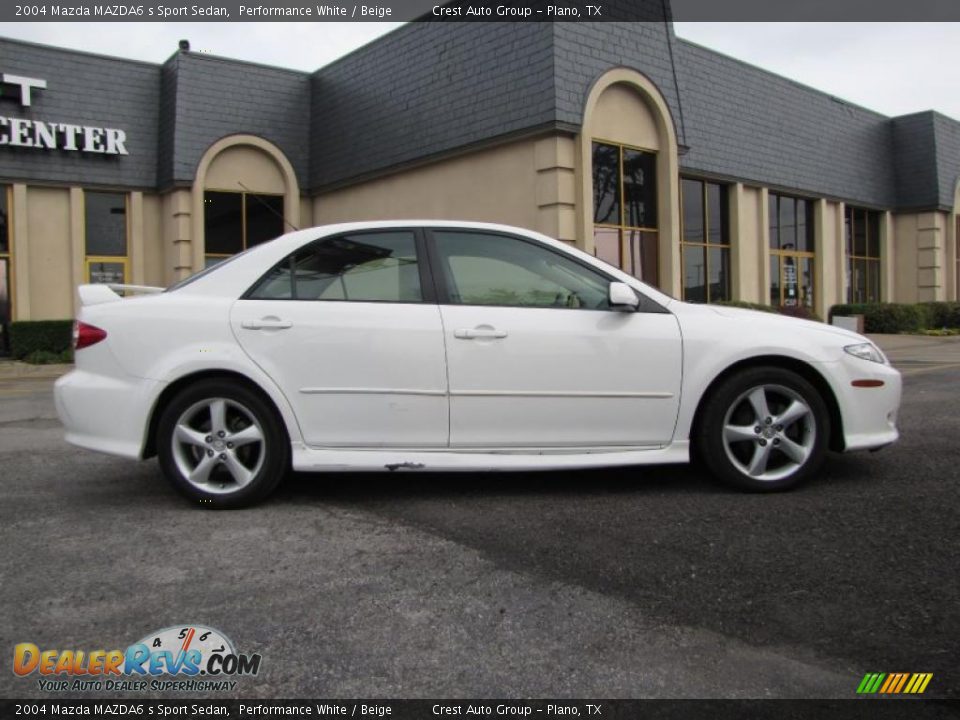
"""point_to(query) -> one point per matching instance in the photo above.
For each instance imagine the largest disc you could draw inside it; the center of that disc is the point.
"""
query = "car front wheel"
(764, 429)
(221, 444)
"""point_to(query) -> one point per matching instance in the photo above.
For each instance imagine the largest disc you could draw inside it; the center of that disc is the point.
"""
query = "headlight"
(866, 351)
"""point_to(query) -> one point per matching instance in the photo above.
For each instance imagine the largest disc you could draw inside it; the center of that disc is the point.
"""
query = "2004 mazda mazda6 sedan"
(455, 346)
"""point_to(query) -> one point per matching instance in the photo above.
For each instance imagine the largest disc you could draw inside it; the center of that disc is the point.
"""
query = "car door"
(349, 329)
(537, 358)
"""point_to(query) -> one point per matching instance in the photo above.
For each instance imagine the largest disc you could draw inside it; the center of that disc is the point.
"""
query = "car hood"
(744, 317)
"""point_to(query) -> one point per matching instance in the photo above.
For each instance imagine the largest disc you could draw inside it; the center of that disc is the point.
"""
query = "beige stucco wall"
(830, 251)
(154, 267)
(920, 248)
(746, 238)
(491, 185)
(243, 168)
(49, 275)
(888, 245)
(177, 228)
(953, 276)
(621, 115)
(905, 256)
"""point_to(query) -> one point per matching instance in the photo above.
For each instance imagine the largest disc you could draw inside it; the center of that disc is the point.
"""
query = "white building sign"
(43, 135)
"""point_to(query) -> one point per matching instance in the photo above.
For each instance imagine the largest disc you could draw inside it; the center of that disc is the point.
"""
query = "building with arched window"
(705, 176)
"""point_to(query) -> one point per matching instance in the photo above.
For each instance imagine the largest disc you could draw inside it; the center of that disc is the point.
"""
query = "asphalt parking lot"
(650, 583)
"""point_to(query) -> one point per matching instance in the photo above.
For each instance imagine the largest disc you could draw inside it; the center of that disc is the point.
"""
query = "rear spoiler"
(100, 293)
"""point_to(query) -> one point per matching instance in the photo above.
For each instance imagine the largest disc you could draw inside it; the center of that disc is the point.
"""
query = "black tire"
(238, 473)
(753, 454)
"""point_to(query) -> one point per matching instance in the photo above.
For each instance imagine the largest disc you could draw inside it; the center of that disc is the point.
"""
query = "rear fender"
(225, 358)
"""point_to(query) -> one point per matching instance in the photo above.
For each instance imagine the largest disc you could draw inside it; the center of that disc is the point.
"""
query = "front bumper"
(869, 414)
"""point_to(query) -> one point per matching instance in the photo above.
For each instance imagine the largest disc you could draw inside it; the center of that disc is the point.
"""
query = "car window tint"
(366, 267)
(485, 269)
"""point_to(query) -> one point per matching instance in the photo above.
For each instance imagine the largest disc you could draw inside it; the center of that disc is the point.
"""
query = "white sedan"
(429, 345)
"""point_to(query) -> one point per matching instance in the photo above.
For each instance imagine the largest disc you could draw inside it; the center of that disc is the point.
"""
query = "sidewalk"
(12, 370)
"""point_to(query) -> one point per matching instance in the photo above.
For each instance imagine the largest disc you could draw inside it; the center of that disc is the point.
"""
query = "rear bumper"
(102, 413)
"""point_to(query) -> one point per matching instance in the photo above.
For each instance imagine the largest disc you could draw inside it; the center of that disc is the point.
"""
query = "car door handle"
(266, 324)
(479, 332)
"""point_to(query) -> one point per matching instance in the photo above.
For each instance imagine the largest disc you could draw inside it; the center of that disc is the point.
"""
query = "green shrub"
(900, 317)
(45, 357)
(942, 314)
(29, 336)
(799, 311)
(846, 309)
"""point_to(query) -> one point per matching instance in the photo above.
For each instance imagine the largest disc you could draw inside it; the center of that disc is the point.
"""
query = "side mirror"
(622, 297)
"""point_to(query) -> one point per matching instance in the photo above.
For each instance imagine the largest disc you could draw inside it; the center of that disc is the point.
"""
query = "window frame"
(243, 221)
(625, 247)
(704, 243)
(427, 285)
(849, 221)
(124, 259)
(7, 190)
(106, 259)
(781, 254)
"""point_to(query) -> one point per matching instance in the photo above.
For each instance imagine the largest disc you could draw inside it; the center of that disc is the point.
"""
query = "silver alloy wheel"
(218, 445)
(769, 432)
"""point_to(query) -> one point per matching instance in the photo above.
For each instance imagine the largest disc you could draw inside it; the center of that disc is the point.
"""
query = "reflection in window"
(235, 221)
(791, 251)
(606, 184)
(105, 223)
(366, 267)
(791, 223)
(862, 242)
(705, 241)
(625, 209)
(639, 189)
(485, 269)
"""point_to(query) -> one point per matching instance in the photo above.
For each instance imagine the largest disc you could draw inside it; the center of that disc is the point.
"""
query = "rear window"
(206, 271)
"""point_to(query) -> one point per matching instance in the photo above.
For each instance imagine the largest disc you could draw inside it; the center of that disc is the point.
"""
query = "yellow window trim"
(112, 259)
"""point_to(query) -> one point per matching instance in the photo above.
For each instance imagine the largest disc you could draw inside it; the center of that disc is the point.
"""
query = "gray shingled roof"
(425, 89)
(85, 89)
(429, 89)
(746, 123)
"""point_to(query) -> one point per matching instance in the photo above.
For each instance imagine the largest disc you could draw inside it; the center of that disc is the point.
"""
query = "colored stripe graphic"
(894, 683)
(903, 679)
(892, 680)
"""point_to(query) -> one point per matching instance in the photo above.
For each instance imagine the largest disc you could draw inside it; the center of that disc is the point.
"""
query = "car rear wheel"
(222, 445)
(764, 429)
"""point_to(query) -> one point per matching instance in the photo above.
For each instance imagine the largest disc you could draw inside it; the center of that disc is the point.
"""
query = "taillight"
(86, 335)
